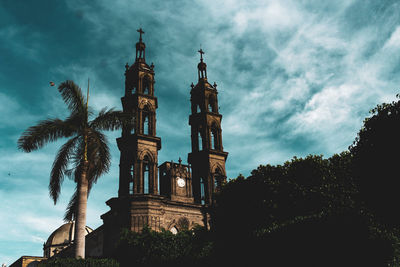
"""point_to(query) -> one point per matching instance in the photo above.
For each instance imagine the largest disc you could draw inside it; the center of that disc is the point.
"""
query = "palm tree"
(84, 157)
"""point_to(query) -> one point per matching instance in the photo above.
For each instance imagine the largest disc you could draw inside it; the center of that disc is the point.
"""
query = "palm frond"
(71, 210)
(98, 155)
(46, 131)
(78, 120)
(109, 120)
(59, 167)
(77, 158)
(99, 163)
(70, 173)
(73, 97)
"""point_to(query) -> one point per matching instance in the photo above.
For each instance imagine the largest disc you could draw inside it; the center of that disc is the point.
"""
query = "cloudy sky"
(294, 78)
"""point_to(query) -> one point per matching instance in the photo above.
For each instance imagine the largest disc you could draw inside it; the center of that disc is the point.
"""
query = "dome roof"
(202, 65)
(64, 235)
(201, 85)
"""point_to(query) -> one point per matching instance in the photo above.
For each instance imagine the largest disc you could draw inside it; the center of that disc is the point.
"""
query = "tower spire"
(140, 47)
(202, 67)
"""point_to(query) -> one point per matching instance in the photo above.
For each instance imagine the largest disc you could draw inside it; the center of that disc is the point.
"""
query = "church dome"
(61, 238)
(202, 65)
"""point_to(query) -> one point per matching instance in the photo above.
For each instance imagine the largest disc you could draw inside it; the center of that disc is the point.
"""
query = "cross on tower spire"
(201, 54)
(140, 31)
(202, 67)
(140, 47)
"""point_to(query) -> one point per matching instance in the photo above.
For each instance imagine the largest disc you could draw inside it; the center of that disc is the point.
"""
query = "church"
(173, 195)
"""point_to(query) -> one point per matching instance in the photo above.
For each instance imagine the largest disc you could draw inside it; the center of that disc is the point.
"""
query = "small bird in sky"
(52, 83)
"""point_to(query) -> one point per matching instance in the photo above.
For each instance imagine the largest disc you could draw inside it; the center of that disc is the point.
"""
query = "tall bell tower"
(139, 145)
(138, 201)
(207, 157)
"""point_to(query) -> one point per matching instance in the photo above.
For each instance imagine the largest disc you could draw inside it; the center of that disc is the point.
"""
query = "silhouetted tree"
(302, 213)
(273, 194)
(376, 157)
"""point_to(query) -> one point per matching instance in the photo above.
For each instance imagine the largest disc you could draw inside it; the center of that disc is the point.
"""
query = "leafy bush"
(72, 262)
(276, 194)
(151, 248)
(376, 162)
(305, 212)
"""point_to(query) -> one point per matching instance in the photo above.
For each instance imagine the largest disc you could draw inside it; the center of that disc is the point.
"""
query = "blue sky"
(294, 78)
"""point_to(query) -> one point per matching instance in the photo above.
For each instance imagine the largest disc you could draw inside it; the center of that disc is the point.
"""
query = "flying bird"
(52, 83)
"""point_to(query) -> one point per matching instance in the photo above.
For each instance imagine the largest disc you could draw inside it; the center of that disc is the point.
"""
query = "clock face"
(180, 182)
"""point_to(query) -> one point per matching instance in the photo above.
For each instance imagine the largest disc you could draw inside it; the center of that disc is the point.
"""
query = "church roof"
(64, 235)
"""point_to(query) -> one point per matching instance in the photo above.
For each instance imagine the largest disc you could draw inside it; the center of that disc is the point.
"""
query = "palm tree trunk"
(80, 224)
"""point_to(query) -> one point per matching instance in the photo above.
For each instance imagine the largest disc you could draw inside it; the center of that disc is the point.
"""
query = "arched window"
(212, 140)
(132, 178)
(218, 177)
(146, 124)
(211, 104)
(200, 141)
(214, 137)
(146, 121)
(202, 191)
(132, 125)
(195, 108)
(146, 85)
(146, 174)
(183, 223)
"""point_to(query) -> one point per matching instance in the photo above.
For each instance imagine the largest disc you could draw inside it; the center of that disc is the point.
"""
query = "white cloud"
(394, 40)
(101, 100)
(328, 115)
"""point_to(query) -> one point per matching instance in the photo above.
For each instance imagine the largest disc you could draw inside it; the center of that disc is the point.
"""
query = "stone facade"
(155, 211)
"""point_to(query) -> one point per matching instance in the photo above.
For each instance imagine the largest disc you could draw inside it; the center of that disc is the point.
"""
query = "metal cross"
(140, 31)
(201, 53)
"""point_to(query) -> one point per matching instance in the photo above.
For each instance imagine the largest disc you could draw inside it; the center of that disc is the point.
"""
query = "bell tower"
(207, 157)
(138, 144)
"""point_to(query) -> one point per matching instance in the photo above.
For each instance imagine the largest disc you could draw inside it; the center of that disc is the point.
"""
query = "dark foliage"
(376, 153)
(303, 213)
(276, 194)
(150, 248)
